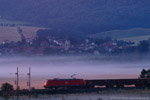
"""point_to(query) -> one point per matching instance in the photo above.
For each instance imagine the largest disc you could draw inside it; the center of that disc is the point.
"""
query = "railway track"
(70, 91)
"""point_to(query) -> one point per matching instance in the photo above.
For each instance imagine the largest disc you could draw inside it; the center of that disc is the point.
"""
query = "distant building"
(96, 52)
(29, 40)
(67, 44)
(87, 41)
(5, 41)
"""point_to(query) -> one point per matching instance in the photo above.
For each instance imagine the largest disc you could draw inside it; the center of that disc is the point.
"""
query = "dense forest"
(79, 17)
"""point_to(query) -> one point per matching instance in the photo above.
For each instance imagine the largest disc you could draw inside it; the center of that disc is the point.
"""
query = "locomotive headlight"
(45, 84)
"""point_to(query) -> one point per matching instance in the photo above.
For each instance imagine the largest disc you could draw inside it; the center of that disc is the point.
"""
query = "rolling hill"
(11, 34)
(135, 34)
(137, 39)
(79, 17)
(123, 33)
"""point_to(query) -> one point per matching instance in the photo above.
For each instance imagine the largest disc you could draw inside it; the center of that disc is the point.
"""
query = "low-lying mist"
(86, 67)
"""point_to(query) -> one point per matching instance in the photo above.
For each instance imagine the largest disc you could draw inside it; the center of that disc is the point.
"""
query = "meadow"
(134, 35)
(10, 33)
(137, 39)
(8, 22)
(102, 95)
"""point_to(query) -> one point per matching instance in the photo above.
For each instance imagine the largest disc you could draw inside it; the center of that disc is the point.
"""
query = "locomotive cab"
(65, 83)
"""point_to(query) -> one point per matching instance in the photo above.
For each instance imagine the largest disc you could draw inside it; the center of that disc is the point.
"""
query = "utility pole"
(17, 79)
(29, 80)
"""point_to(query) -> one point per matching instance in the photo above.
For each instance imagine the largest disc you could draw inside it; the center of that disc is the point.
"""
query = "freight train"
(65, 83)
(108, 83)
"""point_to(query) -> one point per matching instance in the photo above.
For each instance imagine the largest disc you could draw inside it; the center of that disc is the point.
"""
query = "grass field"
(11, 34)
(136, 40)
(30, 32)
(4, 21)
(135, 34)
(120, 94)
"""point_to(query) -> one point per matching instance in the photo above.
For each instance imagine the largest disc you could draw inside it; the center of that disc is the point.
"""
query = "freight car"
(108, 83)
(119, 83)
(65, 83)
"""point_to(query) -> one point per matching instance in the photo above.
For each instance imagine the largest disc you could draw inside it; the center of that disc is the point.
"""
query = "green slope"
(135, 32)
(137, 39)
(79, 16)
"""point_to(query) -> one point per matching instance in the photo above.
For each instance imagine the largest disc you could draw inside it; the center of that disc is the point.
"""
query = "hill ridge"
(79, 17)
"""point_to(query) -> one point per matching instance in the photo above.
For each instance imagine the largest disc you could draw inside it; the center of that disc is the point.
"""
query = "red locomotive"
(65, 83)
(108, 83)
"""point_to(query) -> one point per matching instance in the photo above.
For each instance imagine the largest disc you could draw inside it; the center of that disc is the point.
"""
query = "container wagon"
(119, 83)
